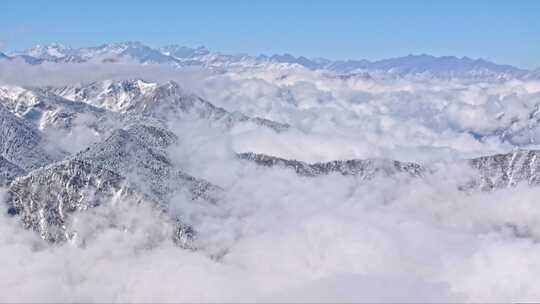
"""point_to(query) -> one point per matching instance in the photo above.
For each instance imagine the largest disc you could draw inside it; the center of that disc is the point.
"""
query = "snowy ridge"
(493, 171)
(47, 110)
(364, 169)
(137, 97)
(444, 67)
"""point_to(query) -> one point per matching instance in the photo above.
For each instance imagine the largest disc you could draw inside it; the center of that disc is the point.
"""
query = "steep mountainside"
(139, 153)
(131, 165)
(23, 145)
(44, 198)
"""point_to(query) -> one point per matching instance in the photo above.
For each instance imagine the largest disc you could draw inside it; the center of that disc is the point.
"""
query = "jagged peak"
(126, 44)
(55, 45)
(172, 88)
(133, 82)
(54, 49)
(181, 51)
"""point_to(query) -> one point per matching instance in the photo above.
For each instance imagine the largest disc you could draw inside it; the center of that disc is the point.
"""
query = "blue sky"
(501, 31)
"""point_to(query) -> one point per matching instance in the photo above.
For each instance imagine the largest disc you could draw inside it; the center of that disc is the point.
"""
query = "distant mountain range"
(445, 66)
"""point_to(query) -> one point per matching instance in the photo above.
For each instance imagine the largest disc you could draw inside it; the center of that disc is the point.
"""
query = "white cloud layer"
(276, 236)
(411, 118)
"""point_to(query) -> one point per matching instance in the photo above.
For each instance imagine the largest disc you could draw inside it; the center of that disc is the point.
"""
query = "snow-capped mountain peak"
(53, 50)
(183, 52)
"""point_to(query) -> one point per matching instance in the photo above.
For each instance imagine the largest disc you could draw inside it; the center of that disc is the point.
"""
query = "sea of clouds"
(275, 236)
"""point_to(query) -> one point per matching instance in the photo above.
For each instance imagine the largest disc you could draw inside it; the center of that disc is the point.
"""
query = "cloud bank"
(275, 236)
